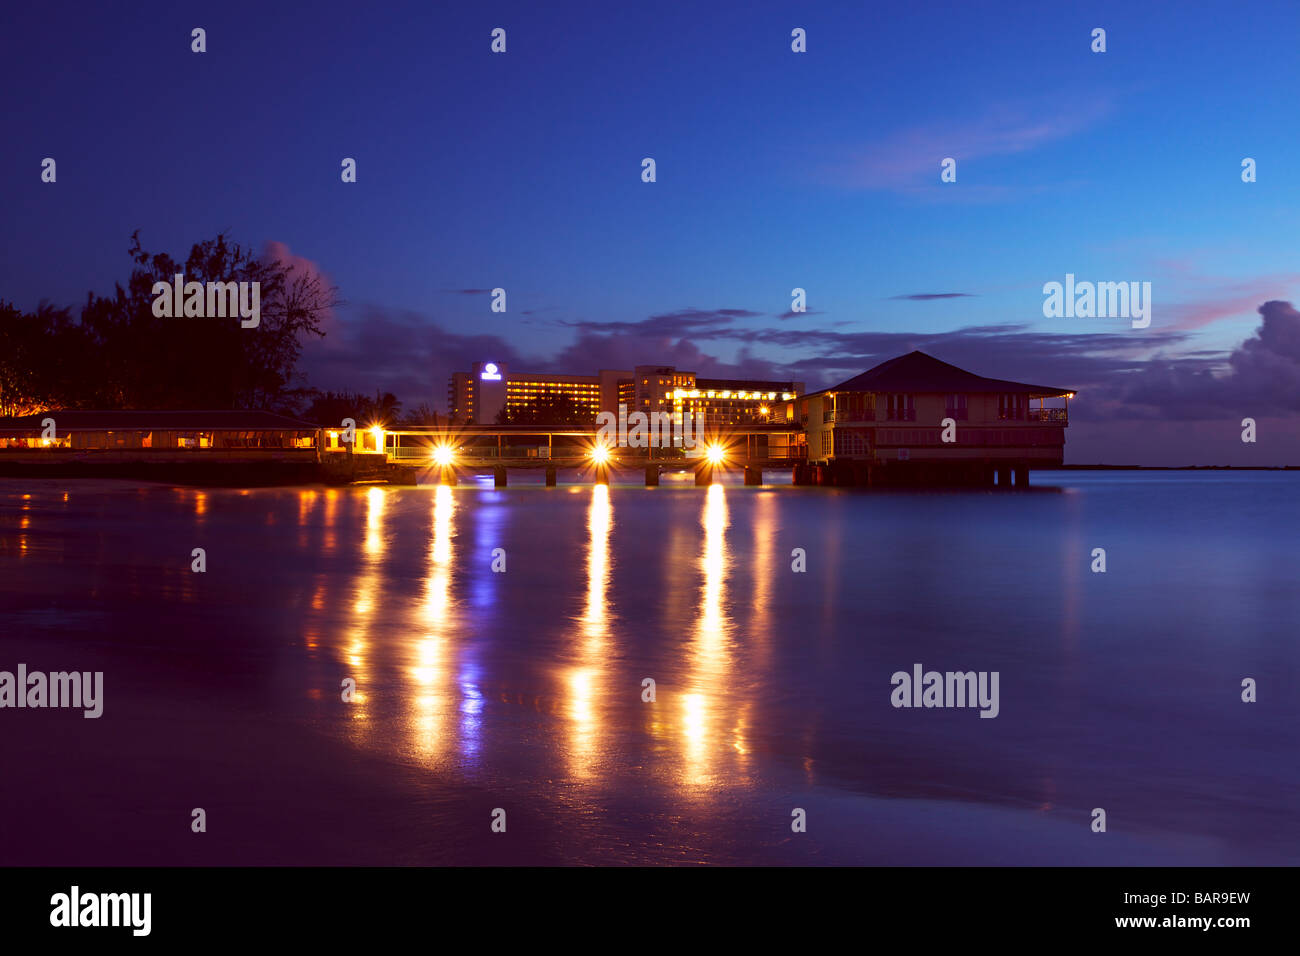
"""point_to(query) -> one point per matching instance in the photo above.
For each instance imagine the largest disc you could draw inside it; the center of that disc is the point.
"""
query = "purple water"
(522, 690)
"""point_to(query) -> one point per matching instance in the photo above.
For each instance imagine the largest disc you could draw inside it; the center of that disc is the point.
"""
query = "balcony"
(1057, 416)
(901, 415)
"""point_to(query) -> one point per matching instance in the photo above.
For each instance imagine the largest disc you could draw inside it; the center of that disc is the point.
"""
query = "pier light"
(716, 454)
(600, 454)
(443, 455)
(762, 409)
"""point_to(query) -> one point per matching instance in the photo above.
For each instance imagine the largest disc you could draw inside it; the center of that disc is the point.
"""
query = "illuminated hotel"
(481, 394)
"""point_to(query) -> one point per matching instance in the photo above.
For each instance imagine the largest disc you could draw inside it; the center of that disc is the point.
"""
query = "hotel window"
(955, 408)
(900, 408)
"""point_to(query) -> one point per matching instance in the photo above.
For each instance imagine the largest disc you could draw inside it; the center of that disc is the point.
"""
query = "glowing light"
(490, 373)
(443, 455)
(716, 454)
(762, 409)
(600, 454)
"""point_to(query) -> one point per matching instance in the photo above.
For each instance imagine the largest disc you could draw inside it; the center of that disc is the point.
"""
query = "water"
(522, 690)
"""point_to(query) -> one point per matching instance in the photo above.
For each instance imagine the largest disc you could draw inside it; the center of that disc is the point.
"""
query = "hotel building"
(479, 395)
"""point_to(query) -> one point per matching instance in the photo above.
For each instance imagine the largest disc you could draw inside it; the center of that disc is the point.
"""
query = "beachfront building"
(480, 394)
(157, 435)
(892, 424)
(220, 433)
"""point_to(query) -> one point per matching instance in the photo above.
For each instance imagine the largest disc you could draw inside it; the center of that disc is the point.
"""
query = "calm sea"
(518, 694)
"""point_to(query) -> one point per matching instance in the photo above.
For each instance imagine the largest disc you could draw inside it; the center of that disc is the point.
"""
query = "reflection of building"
(646, 388)
(900, 410)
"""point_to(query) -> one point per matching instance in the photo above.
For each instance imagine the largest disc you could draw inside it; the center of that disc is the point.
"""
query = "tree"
(330, 408)
(422, 414)
(44, 360)
(120, 355)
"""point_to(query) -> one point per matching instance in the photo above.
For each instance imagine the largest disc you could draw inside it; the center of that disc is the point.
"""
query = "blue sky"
(775, 170)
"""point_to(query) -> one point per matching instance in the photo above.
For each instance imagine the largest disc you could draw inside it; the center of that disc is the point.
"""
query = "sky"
(775, 170)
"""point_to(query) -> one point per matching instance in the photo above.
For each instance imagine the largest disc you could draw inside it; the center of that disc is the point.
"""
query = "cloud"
(909, 158)
(701, 323)
(1262, 376)
(1230, 301)
(400, 352)
(280, 252)
(927, 296)
(798, 315)
(469, 291)
(1117, 380)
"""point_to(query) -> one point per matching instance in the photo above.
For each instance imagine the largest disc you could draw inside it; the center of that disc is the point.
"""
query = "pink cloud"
(1232, 300)
(904, 160)
(330, 324)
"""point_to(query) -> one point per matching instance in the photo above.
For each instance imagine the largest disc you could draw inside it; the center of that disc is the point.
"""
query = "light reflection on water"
(771, 686)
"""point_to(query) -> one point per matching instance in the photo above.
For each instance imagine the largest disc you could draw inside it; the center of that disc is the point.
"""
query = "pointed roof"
(918, 372)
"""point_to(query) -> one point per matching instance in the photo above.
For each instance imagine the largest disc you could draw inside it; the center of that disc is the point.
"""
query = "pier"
(445, 452)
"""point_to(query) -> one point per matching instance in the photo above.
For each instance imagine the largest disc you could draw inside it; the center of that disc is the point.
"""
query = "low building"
(917, 418)
(221, 433)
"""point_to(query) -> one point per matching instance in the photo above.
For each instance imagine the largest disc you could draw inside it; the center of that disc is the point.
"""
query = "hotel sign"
(490, 373)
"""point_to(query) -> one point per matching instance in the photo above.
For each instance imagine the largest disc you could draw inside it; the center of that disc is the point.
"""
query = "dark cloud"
(468, 291)
(1262, 376)
(798, 315)
(404, 353)
(927, 296)
(700, 323)
(1113, 373)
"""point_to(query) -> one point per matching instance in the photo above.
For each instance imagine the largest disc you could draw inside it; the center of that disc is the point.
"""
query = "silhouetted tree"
(330, 408)
(120, 355)
(422, 414)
